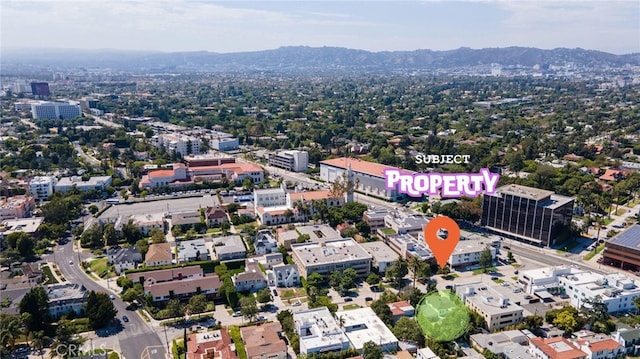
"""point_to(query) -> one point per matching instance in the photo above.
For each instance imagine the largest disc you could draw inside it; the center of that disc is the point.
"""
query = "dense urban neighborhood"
(185, 211)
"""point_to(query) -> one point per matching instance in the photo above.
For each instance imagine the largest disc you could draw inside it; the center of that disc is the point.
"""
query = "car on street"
(528, 297)
(275, 293)
(237, 313)
(125, 318)
(368, 299)
(112, 297)
(261, 318)
(347, 299)
(297, 304)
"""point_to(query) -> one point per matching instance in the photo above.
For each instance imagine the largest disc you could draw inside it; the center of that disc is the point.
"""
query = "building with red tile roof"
(601, 347)
(401, 309)
(555, 348)
(181, 175)
(369, 176)
(210, 345)
(264, 341)
(611, 175)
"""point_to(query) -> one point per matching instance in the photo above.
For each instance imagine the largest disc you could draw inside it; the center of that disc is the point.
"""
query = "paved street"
(132, 336)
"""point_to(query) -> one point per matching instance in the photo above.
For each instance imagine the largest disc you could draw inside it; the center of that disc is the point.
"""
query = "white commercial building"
(94, 183)
(498, 311)
(328, 256)
(55, 110)
(319, 332)
(468, 252)
(295, 161)
(41, 188)
(270, 197)
(363, 325)
(616, 290)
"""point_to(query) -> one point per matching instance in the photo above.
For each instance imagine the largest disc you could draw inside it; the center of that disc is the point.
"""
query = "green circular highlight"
(442, 316)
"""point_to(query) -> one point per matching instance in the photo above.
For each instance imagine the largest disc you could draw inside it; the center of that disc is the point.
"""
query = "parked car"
(125, 319)
(368, 299)
(275, 293)
(237, 313)
(348, 299)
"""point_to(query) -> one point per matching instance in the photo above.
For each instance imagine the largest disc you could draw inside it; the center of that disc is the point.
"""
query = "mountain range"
(327, 58)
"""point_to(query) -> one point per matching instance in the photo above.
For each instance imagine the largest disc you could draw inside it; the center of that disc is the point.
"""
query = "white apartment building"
(468, 252)
(55, 110)
(319, 332)
(41, 187)
(99, 183)
(67, 297)
(270, 197)
(332, 255)
(182, 144)
(616, 290)
(497, 311)
(363, 325)
(294, 161)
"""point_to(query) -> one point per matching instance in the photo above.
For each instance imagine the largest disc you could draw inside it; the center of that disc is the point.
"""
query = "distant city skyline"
(182, 25)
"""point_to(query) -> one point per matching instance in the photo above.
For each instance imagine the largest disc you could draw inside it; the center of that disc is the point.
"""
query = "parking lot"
(162, 204)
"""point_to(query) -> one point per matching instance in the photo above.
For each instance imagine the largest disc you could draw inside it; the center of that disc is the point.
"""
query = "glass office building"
(526, 214)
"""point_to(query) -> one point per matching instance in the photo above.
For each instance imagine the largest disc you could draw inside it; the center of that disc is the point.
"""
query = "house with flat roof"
(319, 332)
(192, 250)
(318, 232)
(381, 253)
(287, 237)
(264, 341)
(468, 252)
(512, 344)
(331, 255)
(16, 207)
(187, 218)
(148, 221)
(363, 325)
(65, 298)
(229, 248)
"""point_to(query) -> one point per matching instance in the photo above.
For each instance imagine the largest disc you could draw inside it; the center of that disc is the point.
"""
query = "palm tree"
(414, 264)
(25, 319)
(38, 341)
(9, 330)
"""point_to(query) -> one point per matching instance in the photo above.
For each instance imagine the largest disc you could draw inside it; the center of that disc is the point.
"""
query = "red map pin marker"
(442, 247)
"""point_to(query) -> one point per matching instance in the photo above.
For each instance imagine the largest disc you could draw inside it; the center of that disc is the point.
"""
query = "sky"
(184, 25)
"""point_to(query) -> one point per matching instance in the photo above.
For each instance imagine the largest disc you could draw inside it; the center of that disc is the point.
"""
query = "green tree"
(175, 308)
(397, 271)
(93, 209)
(383, 311)
(567, 322)
(372, 279)
(9, 330)
(197, 304)
(157, 235)
(36, 303)
(510, 257)
(348, 280)
(408, 329)
(264, 296)
(248, 307)
(486, 259)
(371, 350)
(99, 309)
(39, 340)
(364, 228)
(314, 279)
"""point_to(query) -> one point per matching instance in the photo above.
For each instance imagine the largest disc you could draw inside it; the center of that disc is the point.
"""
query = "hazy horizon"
(244, 26)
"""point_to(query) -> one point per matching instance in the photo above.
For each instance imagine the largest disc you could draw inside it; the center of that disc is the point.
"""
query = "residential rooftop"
(331, 251)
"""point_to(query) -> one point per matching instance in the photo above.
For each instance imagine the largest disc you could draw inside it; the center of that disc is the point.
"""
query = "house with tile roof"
(555, 348)
(600, 346)
(211, 345)
(252, 279)
(264, 341)
(215, 216)
(158, 254)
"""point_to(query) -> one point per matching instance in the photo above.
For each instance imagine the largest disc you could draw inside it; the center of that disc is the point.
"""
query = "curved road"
(135, 335)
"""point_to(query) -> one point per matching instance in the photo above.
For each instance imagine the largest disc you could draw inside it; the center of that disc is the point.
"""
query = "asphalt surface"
(163, 205)
(136, 334)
